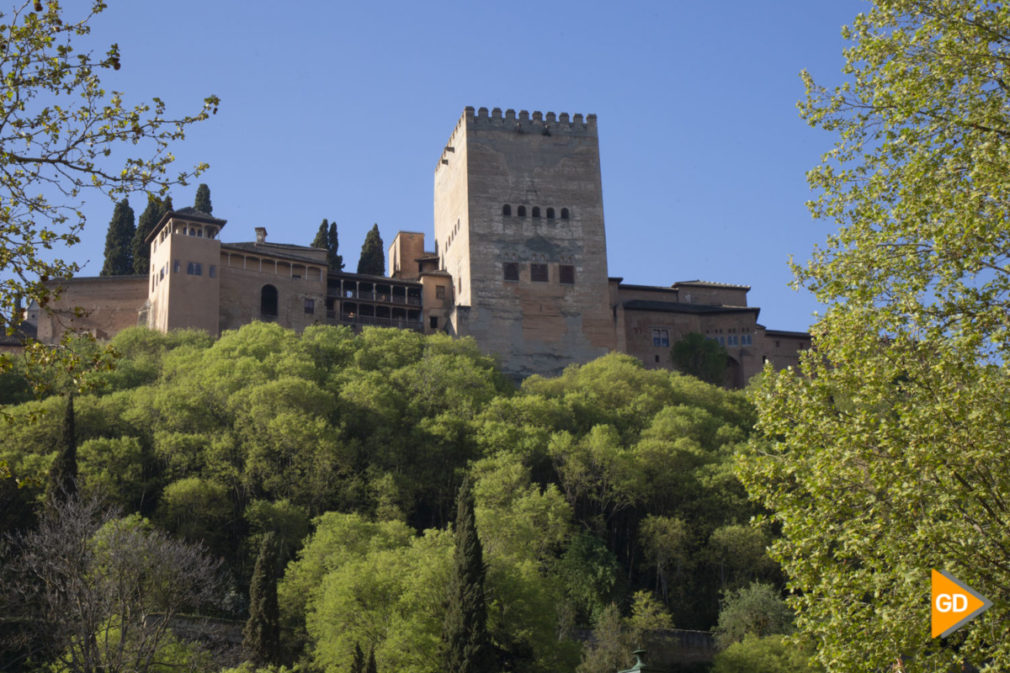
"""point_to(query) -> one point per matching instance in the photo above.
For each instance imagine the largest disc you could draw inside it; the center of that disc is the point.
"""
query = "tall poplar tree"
(320, 240)
(202, 201)
(468, 647)
(261, 636)
(119, 241)
(373, 259)
(145, 225)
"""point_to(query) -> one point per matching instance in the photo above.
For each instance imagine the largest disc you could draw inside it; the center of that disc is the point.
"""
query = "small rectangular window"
(194, 268)
(660, 337)
(310, 306)
(176, 265)
(433, 322)
(538, 273)
(746, 340)
(511, 270)
(567, 274)
(212, 271)
(440, 292)
(732, 340)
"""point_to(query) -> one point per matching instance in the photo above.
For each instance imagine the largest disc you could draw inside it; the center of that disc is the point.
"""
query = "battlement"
(525, 122)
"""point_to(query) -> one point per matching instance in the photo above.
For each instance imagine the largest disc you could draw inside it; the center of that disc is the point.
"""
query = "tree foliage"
(63, 135)
(261, 637)
(879, 457)
(103, 591)
(119, 241)
(202, 200)
(373, 256)
(699, 356)
(62, 482)
(326, 238)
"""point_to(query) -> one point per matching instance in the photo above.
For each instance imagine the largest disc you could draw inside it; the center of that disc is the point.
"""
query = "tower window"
(176, 265)
(310, 306)
(567, 274)
(212, 271)
(194, 268)
(440, 292)
(550, 213)
(564, 213)
(433, 322)
(521, 211)
(538, 273)
(511, 270)
(268, 301)
(506, 210)
(536, 211)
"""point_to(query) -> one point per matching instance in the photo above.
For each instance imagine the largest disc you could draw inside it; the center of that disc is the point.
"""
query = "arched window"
(564, 213)
(522, 211)
(536, 211)
(550, 213)
(268, 301)
(506, 210)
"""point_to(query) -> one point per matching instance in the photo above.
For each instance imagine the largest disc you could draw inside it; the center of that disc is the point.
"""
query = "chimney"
(261, 234)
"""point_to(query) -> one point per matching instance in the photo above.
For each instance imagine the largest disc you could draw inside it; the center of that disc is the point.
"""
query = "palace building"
(519, 264)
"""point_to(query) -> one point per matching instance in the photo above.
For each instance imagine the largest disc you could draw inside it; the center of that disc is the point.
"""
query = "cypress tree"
(145, 225)
(358, 663)
(261, 636)
(467, 645)
(320, 240)
(372, 668)
(333, 245)
(202, 201)
(63, 474)
(119, 241)
(373, 259)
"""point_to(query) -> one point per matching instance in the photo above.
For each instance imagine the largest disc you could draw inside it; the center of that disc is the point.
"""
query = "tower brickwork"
(519, 226)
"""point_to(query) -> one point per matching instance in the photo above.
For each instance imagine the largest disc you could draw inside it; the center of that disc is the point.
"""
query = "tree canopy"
(62, 136)
(202, 200)
(373, 256)
(880, 457)
(119, 241)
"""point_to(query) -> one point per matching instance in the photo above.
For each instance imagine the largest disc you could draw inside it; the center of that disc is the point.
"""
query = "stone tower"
(519, 226)
(184, 289)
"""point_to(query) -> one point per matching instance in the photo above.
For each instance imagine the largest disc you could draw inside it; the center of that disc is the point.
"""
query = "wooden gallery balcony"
(357, 299)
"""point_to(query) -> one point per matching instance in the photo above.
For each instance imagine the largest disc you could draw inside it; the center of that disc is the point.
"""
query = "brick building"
(519, 263)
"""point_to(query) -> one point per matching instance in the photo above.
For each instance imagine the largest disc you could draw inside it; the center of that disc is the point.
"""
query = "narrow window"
(660, 337)
(536, 211)
(522, 211)
(433, 322)
(567, 274)
(732, 340)
(550, 213)
(268, 301)
(212, 271)
(310, 306)
(564, 213)
(506, 210)
(511, 270)
(440, 292)
(746, 340)
(538, 273)
(176, 265)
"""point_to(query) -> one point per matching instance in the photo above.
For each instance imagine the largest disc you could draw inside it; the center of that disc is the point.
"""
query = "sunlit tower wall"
(519, 226)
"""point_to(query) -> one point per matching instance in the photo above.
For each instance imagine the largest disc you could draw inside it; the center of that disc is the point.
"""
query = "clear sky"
(340, 110)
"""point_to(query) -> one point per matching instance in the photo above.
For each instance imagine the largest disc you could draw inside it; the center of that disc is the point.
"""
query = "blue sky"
(340, 110)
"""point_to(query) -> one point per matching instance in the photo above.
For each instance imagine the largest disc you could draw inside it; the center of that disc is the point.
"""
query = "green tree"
(261, 636)
(66, 134)
(148, 220)
(373, 256)
(770, 654)
(119, 241)
(879, 457)
(202, 200)
(333, 246)
(756, 610)
(63, 473)
(320, 240)
(701, 357)
(468, 647)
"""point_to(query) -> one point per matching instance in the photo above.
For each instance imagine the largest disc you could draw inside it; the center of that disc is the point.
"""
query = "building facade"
(519, 264)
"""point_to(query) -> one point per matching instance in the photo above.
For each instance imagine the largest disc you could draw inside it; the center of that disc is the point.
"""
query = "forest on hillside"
(604, 499)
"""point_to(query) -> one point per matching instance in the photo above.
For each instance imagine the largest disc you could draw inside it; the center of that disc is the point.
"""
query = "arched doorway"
(268, 301)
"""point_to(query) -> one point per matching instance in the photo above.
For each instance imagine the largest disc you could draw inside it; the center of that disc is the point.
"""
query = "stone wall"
(102, 306)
